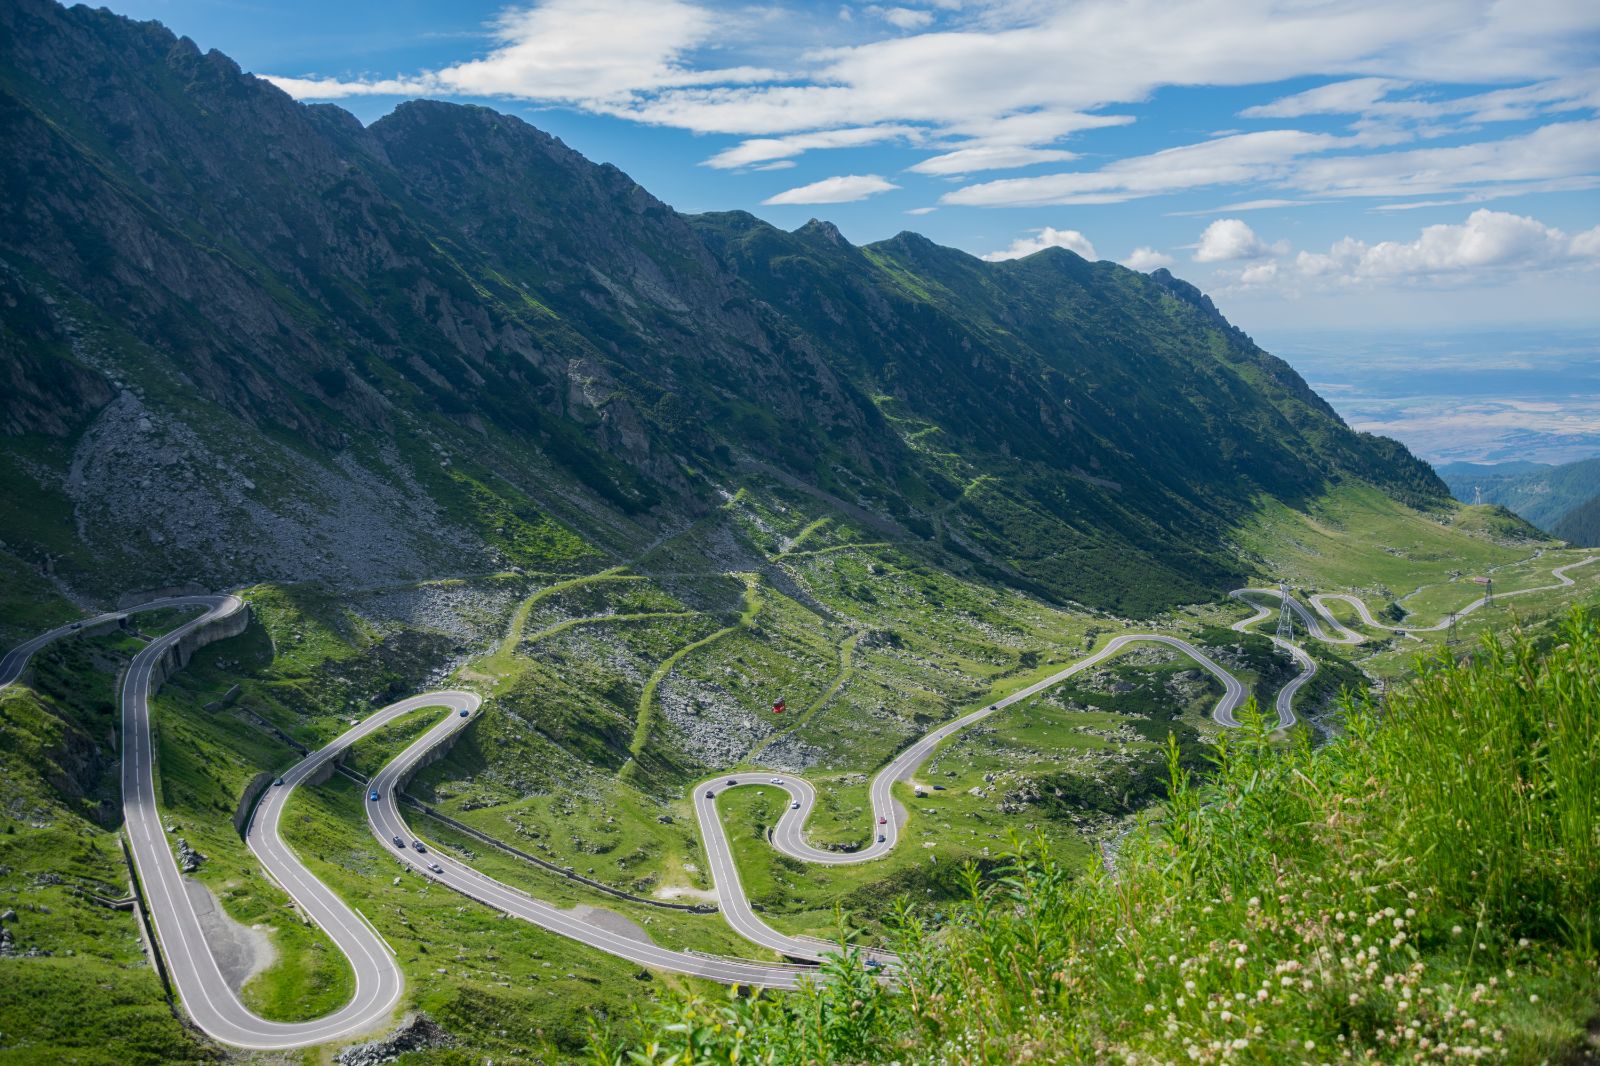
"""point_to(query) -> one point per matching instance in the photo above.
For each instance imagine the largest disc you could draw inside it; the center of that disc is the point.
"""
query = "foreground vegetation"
(1426, 889)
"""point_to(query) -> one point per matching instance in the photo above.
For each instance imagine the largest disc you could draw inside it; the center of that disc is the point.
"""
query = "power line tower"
(1451, 636)
(1477, 494)
(1285, 614)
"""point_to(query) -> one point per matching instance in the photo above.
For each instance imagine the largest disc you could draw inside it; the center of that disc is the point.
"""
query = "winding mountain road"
(379, 982)
(196, 976)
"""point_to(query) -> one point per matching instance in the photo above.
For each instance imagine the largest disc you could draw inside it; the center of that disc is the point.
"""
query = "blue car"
(373, 795)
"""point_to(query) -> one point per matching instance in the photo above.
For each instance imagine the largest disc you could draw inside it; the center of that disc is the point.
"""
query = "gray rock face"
(189, 860)
(416, 1032)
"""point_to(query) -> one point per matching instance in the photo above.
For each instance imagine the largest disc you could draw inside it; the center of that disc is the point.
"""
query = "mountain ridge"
(324, 329)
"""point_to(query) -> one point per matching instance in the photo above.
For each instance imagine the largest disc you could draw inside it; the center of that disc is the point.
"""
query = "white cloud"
(1488, 241)
(1246, 205)
(585, 51)
(921, 210)
(765, 149)
(905, 18)
(1048, 237)
(989, 157)
(846, 188)
(1231, 238)
(1225, 160)
(1314, 164)
(1355, 96)
(1556, 151)
(1147, 259)
(1259, 273)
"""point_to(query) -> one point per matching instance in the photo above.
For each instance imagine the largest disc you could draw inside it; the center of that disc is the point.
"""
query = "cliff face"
(272, 343)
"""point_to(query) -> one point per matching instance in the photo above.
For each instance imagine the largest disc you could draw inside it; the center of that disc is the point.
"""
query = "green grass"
(1430, 881)
(502, 661)
(90, 997)
(29, 603)
(1356, 537)
(647, 696)
(503, 987)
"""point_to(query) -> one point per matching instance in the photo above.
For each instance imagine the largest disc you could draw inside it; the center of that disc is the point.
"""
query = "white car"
(795, 806)
(436, 868)
(777, 780)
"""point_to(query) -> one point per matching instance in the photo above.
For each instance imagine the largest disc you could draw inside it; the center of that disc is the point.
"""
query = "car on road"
(436, 868)
(938, 788)
(881, 838)
(795, 806)
(465, 713)
(279, 781)
(731, 781)
(883, 821)
(419, 845)
(399, 841)
(710, 794)
(77, 625)
(373, 795)
(777, 780)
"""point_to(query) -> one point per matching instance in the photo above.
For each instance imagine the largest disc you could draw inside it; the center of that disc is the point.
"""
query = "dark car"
(279, 781)
(399, 842)
(77, 625)
(881, 838)
(710, 794)
(465, 712)
(731, 781)
(419, 845)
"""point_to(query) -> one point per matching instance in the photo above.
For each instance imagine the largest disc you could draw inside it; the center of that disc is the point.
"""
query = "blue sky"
(1343, 163)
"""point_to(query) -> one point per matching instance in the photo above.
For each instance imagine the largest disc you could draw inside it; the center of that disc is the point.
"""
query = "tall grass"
(1424, 889)
(1494, 770)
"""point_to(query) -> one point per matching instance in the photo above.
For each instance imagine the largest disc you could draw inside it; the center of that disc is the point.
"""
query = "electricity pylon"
(1285, 614)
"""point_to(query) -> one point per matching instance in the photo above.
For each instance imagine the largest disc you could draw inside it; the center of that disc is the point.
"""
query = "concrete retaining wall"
(429, 757)
(247, 802)
(177, 656)
(325, 771)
